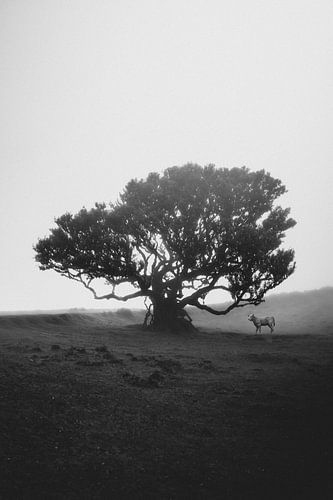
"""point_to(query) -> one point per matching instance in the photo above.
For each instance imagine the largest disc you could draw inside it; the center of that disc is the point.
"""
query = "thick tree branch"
(193, 299)
(113, 295)
(232, 306)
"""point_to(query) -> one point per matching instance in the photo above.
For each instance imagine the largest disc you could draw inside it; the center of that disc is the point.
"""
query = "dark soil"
(93, 411)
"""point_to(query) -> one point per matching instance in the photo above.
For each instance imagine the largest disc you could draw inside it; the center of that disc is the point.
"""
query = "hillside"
(297, 312)
(308, 312)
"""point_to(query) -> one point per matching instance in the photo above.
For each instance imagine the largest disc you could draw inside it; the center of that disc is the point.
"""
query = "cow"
(259, 322)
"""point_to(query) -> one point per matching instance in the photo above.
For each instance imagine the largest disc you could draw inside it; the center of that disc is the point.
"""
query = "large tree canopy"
(176, 237)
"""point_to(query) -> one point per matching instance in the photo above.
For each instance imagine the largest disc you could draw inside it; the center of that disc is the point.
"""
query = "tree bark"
(167, 315)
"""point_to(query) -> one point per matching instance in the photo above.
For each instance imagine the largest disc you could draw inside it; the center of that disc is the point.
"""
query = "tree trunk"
(167, 315)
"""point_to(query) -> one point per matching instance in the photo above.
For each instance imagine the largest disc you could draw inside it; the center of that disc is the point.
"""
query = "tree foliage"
(176, 237)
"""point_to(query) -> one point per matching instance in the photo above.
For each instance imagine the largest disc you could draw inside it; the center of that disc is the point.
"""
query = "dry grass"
(92, 407)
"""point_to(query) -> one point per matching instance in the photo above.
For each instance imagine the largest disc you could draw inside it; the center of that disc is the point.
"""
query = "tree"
(175, 237)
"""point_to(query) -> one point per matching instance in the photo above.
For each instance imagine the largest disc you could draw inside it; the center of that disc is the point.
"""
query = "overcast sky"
(94, 93)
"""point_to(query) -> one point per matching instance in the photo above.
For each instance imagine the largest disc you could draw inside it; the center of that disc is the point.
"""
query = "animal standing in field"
(259, 322)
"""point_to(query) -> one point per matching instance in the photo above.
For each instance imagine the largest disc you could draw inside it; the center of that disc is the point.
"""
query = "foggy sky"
(94, 93)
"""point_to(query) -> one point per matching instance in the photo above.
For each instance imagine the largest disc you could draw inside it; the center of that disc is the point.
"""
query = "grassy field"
(92, 407)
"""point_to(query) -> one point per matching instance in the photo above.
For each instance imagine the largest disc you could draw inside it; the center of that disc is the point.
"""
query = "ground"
(92, 407)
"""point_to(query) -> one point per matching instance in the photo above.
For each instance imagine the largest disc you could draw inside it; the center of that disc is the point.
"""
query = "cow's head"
(250, 317)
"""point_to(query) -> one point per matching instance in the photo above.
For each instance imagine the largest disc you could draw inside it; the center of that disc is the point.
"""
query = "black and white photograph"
(166, 271)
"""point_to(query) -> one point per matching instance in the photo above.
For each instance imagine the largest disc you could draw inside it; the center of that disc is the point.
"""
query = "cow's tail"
(273, 321)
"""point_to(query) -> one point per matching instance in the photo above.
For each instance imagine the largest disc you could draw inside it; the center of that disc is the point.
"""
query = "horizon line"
(109, 309)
